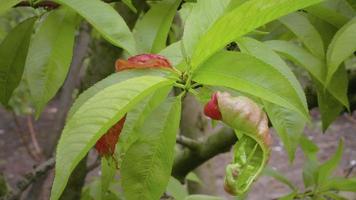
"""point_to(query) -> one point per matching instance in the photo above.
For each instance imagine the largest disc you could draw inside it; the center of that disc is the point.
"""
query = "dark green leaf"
(148, 162)
(105, 20)
(241, 20)
(94, 118)
(152, 30)
(247, 74)
(49, 56)
(13, 53)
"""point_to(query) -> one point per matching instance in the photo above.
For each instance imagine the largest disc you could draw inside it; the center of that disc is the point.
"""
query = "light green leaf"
(289, 125)
(111, 80)
(151, 31)
(329, 166)
(341, 47)
(49, 56)
(7, 4)
(13, 52)
(335, 12)
(341, 184)
(136, 117)
(310, 173)
(309, 148)
(202, 197)
(173, 53)
(247, 74)
(306, 32)
(191, 176)
(148, 162)
(288, 196)
(279, 177)
(105, 20)
(241, 20)
(108, 169)
(176, 189)
(334, 196)
(201, 18)
(94, 118)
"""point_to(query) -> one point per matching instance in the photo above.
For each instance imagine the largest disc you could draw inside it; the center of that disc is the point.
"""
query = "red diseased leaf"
(211, 109)
(106, 144)
(143, 61)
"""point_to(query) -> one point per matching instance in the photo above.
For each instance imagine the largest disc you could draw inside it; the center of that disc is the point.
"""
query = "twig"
(24, 141)
(29, 178)
(188, 142)
(32, 132)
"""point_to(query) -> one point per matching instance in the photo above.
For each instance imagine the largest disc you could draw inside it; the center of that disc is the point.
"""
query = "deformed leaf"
(13, 53)
(148, 162)
(49, 56)
(93, 119)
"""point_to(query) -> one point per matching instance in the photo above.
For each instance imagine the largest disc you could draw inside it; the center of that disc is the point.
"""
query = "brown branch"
(33, 137)
(29, 178)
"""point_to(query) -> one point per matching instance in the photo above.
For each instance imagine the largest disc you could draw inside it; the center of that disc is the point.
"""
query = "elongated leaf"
(306, 32)
(279, 177)
(288, 196)
(341, 184)
(49, 56)
(245, 73)
(329, 166)
(7, 4)
(289, 125)
(13, 52)
(152, 30)
(148, 162)
(201, 18)
(299, 56)
(335, 12)
(242, 20)
(341, 47)
(105, 20)
(108, 169)
(94, 118)
(111, 80)
(136, 117)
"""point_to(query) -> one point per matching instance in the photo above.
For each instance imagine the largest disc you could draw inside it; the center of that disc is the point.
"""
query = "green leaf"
(341, 47)
(191, 176)
(247, 74)
(279, 177)
(151, 31)
(174, 54)
(335, 12)
(176, 189)
(310, 173)
(108, 169)
(241, 20)
(129, 4)
(201, 18)
(136, 117)
(94, 118)
(329, 166)
(306, 32)
(309, 148)
(105, 20)
(334, 196)
(49, 56)
(341, 184)
(288, 196)
(202, 197)
(111, 80)
(13, 52)
(7, 4)
(300, 56)
(148, 162)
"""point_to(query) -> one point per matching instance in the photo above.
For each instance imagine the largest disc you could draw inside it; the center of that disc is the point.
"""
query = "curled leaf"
(252, 150)
(143, 61)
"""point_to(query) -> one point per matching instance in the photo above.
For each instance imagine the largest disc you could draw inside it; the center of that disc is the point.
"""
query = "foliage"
(232, 45)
